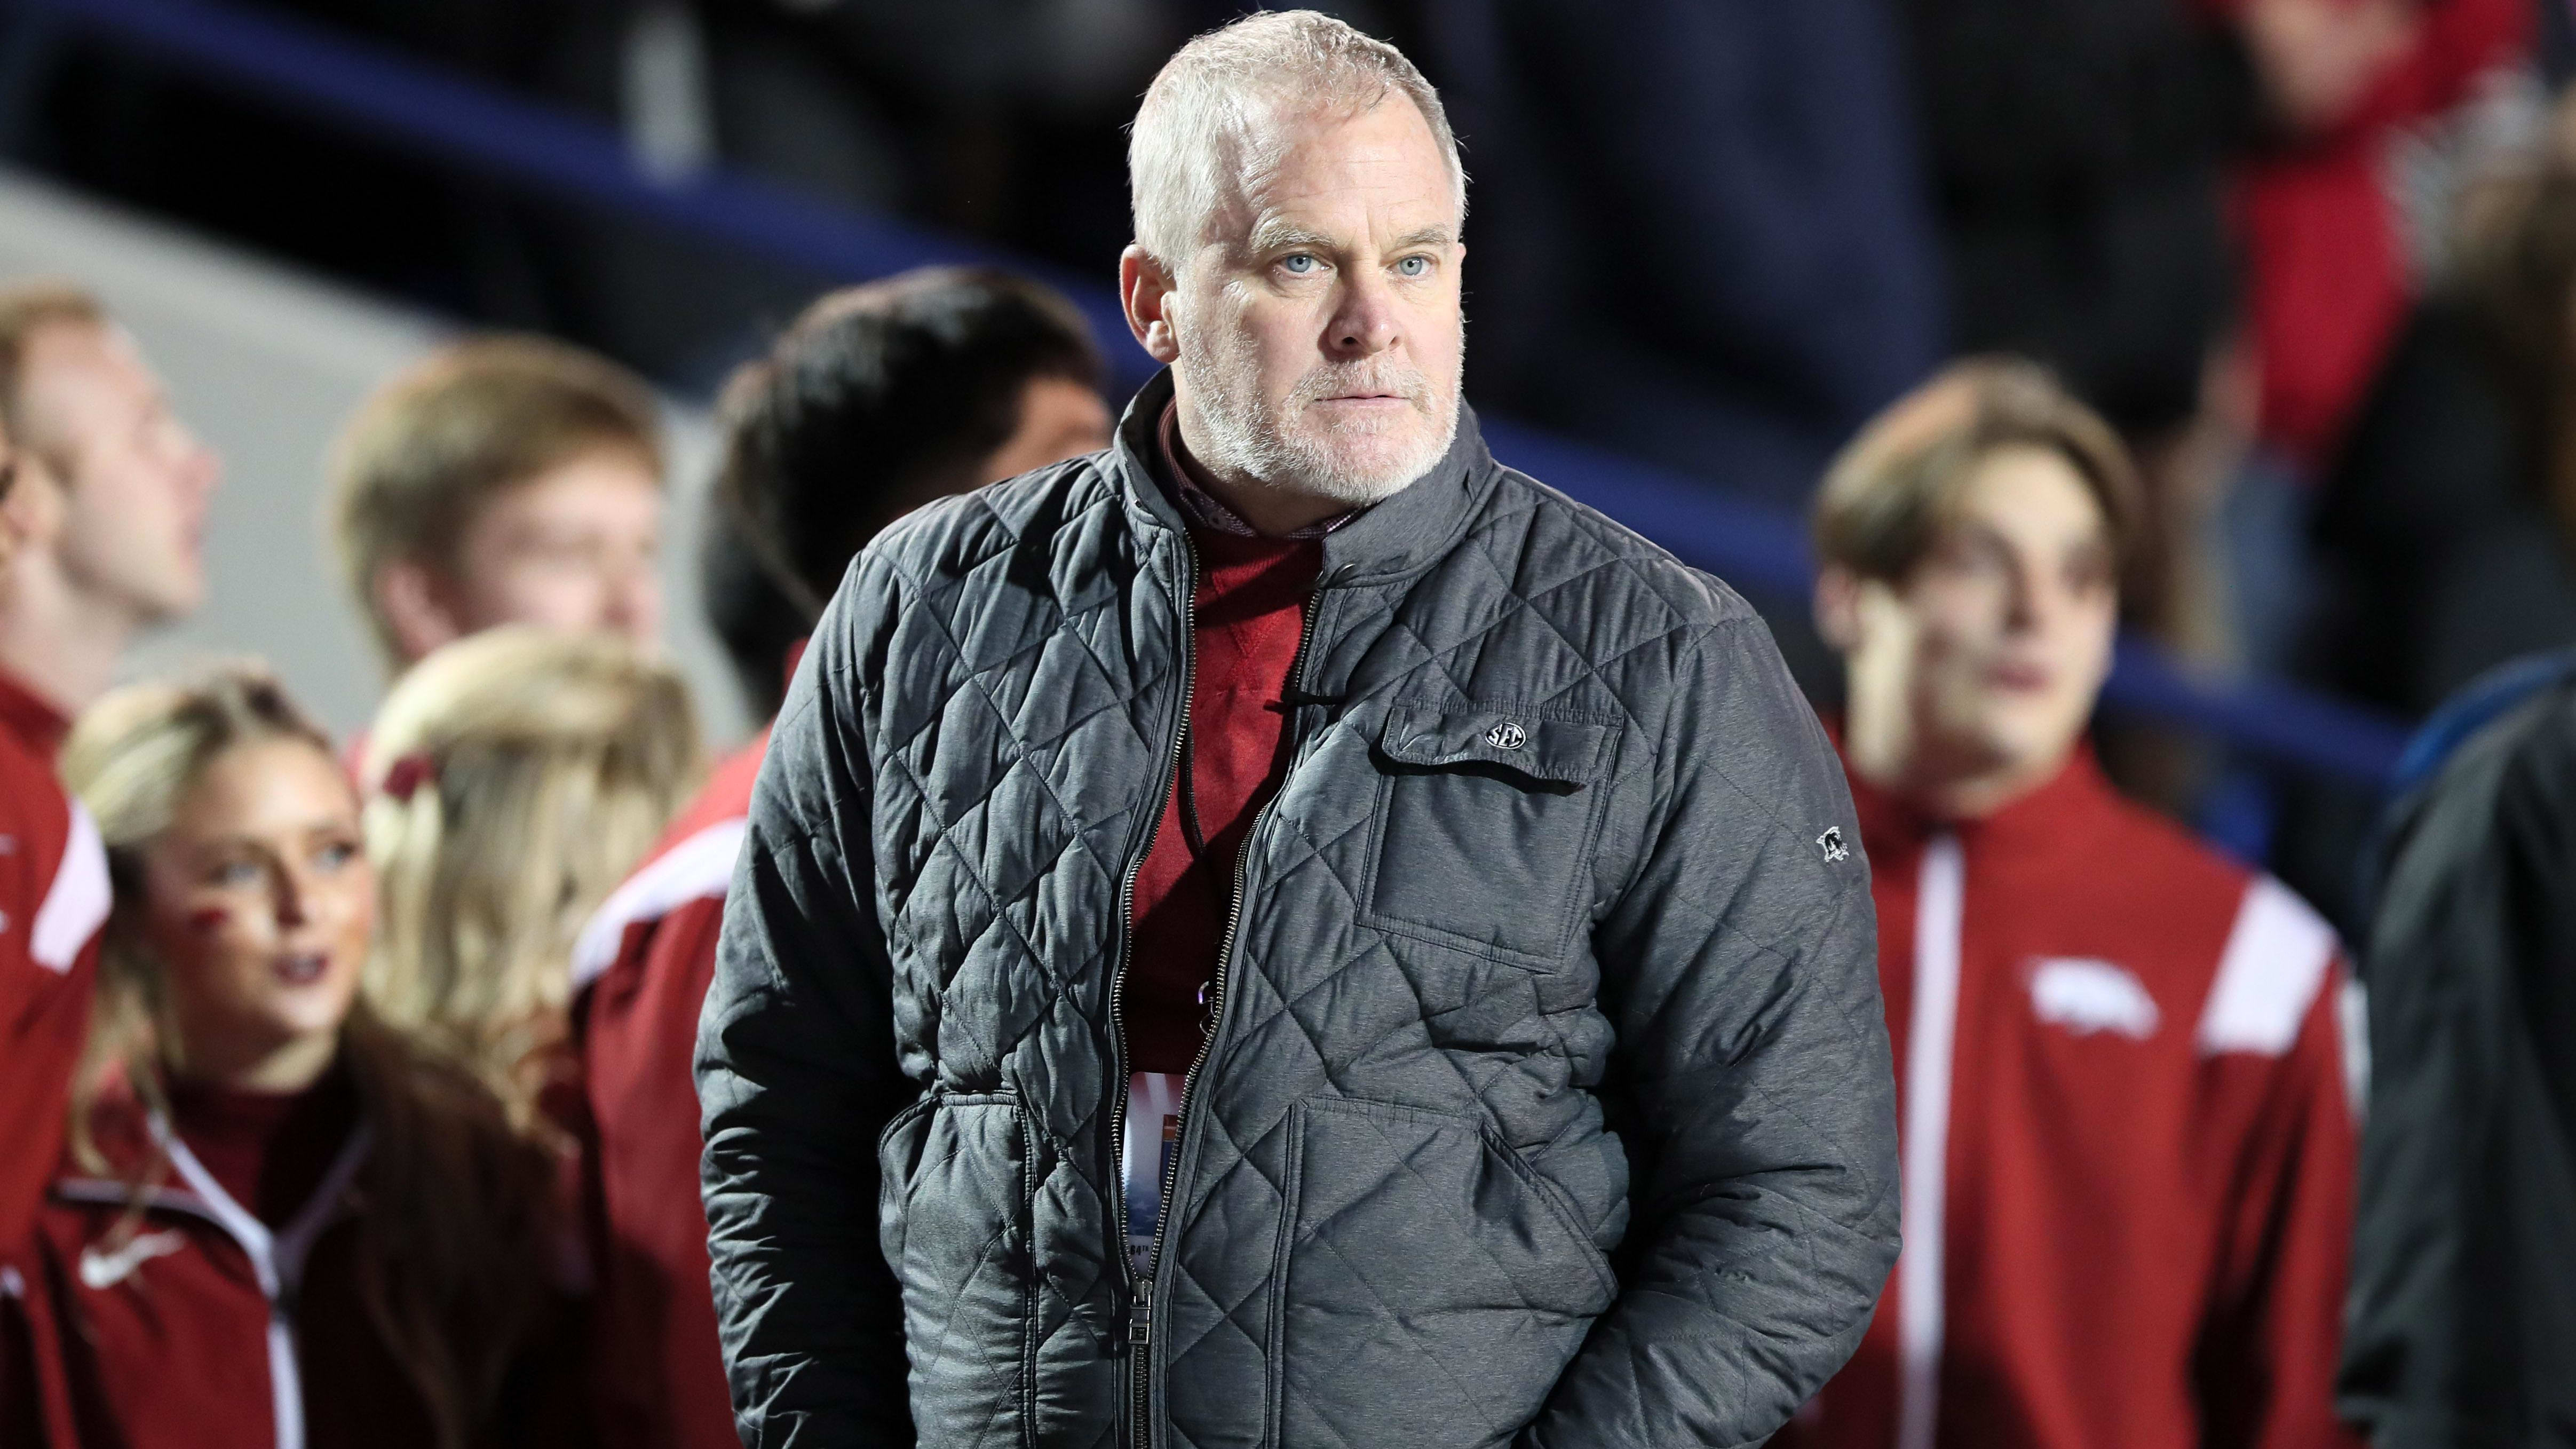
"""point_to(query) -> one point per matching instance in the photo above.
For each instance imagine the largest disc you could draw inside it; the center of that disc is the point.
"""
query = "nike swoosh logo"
(106, 1270)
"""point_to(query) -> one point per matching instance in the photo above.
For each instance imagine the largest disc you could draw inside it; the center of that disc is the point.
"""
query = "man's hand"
(2318, 58)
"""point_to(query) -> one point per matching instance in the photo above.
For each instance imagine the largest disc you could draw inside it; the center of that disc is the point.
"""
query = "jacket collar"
(31, 719)
(1399, 536)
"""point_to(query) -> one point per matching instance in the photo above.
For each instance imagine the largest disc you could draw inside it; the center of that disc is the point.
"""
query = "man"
(505, 480)
(101, 510)
(1462, 880)
(2463, 1320)
(2128, 1141)
(878, 399)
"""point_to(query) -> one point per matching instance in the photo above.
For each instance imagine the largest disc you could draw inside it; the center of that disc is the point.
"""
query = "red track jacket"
(53, 899)
(641, 970)
(234, 1313)
(2127, 1136)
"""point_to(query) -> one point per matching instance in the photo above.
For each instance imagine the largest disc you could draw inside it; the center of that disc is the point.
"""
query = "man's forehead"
(76, 348)
(1324, 169)
(2031, 494)
(76, 369)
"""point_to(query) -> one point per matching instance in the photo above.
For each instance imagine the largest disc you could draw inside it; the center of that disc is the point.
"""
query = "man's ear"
(1838, 607)
(412, 599)
(32, 510)
(1144, 292)
(13, 527)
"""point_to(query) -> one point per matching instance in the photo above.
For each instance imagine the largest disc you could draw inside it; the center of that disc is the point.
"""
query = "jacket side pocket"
(954, 1224)
(1431, 1290)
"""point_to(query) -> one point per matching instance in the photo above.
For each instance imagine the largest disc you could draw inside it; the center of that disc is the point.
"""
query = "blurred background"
(2311, 256)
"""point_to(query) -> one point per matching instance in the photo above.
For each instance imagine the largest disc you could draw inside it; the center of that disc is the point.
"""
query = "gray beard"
(1245, 438)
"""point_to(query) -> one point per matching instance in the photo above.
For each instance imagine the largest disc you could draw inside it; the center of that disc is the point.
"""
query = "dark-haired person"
(2127, 1134)
(2462, 1333)
(280, 1225)
(501, 480)
(878, 399)
(101, 506)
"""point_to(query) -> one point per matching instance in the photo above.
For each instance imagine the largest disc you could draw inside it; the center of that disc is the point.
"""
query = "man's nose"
(200, 467)
(1365, 324)
(634, 597)
(2024, 606)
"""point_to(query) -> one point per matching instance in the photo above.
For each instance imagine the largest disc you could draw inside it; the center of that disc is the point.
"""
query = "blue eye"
(1413, 267)
(1297, 264)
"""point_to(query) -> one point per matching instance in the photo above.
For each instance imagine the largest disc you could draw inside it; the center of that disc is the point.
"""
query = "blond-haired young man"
(2128, 1142)
(103, 493)
(501, 480)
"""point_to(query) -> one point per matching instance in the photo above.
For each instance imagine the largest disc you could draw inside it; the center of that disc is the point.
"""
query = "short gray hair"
(1195, 131)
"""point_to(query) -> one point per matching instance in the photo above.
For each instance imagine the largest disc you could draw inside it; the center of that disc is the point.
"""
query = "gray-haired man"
(1435, 894)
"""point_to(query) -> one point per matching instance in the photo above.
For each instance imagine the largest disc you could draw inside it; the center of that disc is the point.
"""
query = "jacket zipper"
(1140, 1293)
(1141, 1329)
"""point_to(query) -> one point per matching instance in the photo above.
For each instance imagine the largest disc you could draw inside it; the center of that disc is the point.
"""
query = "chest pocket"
(1484, 820)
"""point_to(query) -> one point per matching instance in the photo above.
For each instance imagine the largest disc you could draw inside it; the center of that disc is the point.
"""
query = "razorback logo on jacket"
(2084, 996)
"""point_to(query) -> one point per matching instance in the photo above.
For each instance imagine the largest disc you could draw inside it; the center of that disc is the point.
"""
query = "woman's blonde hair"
(459, 1240)
(513, 779)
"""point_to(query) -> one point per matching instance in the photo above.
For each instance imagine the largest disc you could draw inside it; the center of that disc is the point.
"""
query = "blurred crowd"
(2289, 247)
(2313, 262)
(372, 1017)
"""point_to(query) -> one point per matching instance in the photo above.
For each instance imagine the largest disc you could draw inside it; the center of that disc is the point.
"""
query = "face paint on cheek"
(206, 920)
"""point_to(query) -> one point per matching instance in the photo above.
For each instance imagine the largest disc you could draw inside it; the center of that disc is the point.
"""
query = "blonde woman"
(279, 1223)
(513, 778)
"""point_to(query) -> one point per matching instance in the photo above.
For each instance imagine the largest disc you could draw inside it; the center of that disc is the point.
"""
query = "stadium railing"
(301, 67)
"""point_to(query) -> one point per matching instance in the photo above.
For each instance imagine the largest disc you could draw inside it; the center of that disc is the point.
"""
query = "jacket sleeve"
(797, 1076)
(2462, 1327)
(2267, 1358)
(1740, 974)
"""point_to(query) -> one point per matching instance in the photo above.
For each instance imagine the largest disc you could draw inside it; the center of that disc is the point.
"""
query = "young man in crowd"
(879, 399)
(2127, 1118)
(503, 480)
(1287, 931)
(105, 501)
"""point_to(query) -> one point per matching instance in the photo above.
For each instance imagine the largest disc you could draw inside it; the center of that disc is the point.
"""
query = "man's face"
(1996, 645)
(129, 482)
(576, 548)
(1315, 335)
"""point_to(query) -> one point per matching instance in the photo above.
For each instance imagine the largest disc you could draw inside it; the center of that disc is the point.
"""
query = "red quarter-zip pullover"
(1250, 610)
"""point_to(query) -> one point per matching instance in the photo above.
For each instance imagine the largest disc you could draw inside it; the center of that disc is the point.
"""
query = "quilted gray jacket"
(1547, 1100)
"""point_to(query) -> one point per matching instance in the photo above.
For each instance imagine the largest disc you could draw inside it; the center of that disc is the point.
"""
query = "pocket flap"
(1553, 751)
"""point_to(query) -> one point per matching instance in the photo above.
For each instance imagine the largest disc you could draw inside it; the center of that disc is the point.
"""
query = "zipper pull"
(1140, 1315)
